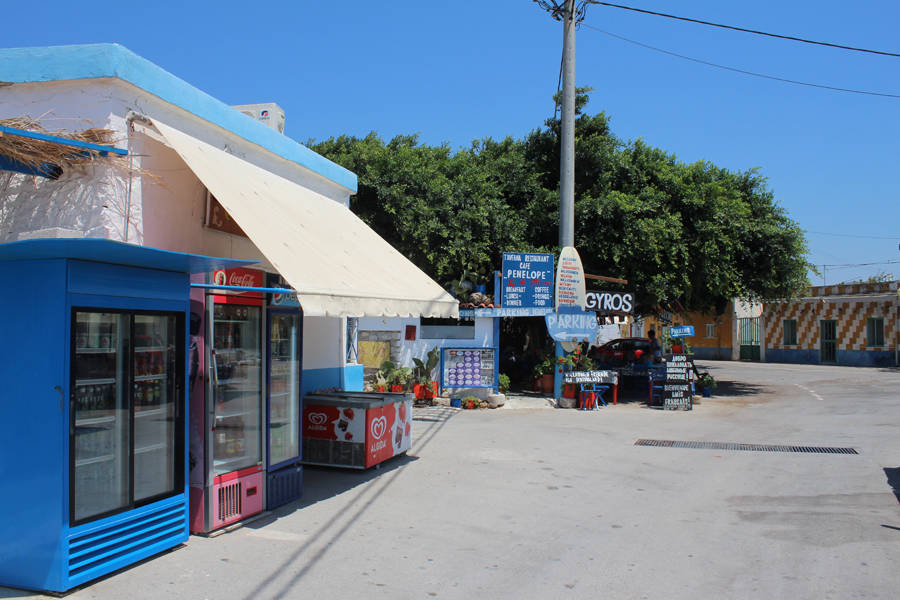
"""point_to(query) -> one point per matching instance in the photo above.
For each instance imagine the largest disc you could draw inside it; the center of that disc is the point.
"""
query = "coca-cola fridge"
(94, 457)
(227, 405)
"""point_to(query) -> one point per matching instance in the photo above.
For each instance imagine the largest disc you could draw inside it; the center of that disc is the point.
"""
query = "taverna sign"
(570, 322)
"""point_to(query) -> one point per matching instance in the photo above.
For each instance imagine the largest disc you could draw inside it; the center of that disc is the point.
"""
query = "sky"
(453, 72)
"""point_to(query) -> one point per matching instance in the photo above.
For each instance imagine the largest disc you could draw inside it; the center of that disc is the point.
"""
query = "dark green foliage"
(692, 233)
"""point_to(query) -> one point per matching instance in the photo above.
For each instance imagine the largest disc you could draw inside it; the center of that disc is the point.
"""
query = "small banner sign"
(681, 331)
(570, 377)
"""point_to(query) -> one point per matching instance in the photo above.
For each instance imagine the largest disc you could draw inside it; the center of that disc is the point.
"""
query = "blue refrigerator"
(284, 332)
(95, 468)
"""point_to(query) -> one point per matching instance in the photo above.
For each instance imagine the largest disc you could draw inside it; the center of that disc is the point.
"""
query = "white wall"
(93, 200)
(166, 200)
(322, 342)
(484, 337)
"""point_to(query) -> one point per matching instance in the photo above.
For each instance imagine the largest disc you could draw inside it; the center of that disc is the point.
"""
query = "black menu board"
(677, 386)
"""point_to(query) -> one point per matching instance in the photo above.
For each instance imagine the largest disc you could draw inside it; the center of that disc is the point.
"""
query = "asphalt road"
(562, 504)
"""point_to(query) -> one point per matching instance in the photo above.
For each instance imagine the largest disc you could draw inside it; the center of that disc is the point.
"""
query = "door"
(748, 334)
(828, 341)
(284, 386)
(127, 431)
(237, 387)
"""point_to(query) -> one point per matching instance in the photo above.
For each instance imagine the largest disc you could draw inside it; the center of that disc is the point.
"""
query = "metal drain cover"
(745, 447)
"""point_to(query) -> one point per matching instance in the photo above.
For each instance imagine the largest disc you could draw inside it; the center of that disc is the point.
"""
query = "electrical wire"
(736, 70)
(853, 235)
(850, 265)
(745, 30)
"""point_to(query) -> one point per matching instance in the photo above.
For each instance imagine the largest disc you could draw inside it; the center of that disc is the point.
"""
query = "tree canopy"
(693, 233)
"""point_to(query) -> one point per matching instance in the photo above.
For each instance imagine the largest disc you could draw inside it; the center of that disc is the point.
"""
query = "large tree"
(694, 233)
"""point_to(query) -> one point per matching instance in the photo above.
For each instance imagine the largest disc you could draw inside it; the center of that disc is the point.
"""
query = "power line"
(745, 30)
(852, 235)
(736, 70)
(850, 265)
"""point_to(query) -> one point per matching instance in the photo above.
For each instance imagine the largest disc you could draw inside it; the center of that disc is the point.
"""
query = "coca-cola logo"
(378, 427)
(318, 418)
(235, 278)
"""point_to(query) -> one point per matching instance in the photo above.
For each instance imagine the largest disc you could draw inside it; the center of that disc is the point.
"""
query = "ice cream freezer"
(356, 430)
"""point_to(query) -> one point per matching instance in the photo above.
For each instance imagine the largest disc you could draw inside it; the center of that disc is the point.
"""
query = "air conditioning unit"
(268, 113)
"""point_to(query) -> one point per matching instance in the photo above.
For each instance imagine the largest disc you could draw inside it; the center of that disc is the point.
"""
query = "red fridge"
(227, 401)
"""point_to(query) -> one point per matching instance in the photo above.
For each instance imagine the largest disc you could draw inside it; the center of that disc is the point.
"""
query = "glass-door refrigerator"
(284, 473)
(127, 414)
(94, 459)
(227, 422)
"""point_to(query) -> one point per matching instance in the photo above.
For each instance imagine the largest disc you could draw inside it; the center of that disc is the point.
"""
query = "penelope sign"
(527, 280)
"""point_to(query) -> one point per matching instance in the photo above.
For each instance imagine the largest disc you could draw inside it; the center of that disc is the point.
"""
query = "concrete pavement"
(536, 503)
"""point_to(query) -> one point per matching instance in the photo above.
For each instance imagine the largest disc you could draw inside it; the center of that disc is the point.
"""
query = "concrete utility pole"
(567, 137)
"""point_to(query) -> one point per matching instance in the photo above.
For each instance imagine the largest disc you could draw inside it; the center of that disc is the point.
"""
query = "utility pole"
(567, 134)
(566, 11)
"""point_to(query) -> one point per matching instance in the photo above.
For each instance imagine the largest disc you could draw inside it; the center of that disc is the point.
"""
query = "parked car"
(622, 351)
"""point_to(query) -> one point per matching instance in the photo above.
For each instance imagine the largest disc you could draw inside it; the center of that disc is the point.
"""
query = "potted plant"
(503, 382)
(706, 383)
(384, 375)
(425, 387)
(471, 402)
(400, 379)
(543, 372)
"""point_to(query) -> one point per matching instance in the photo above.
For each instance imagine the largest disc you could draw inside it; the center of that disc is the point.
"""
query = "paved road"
(535, 503)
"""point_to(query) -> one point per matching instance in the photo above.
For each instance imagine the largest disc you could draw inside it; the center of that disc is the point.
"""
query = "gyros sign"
(620, 302)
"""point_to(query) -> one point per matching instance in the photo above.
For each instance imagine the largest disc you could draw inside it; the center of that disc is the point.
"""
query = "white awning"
(338, 264)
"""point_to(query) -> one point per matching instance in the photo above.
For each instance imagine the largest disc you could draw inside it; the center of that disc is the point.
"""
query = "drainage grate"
(745, 447)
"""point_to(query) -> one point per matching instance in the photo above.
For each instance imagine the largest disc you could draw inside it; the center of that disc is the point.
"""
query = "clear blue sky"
(456, 71)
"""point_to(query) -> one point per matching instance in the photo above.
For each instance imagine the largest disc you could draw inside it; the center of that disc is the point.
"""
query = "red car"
(622, 351)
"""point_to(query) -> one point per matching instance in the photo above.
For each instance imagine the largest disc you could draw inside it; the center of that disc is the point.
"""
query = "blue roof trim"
(118, 253)
(45, 137)
(55, 63)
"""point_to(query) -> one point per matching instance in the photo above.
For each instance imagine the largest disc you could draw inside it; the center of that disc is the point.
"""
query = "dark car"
(623, 351)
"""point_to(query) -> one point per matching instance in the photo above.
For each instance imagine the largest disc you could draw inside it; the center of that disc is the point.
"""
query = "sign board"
(576, 377)
(617, 302)
(682, 331)
(677, 385)
(467, 367)
(570, 290)
(571, 324)
(527, 280)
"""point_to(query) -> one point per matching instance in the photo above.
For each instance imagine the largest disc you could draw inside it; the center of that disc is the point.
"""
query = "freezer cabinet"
(355, 429)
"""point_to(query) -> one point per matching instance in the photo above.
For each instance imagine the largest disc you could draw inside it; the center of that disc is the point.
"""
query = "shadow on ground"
(893, 480)
(737, 389)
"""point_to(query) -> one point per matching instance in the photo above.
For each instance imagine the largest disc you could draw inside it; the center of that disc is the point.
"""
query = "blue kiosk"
(94, 454)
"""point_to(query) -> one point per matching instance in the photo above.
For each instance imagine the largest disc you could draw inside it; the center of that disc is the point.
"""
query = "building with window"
(845, 324)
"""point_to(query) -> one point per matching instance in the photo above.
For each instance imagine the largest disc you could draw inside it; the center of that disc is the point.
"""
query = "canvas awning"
(338, 264)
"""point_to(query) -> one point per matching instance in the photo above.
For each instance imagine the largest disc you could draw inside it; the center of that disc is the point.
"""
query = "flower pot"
(569, 390)
(678, 349)
(547, 383)
(707, 392)
(456, 402)
(380, 388)
(431, 391)
(396, 388)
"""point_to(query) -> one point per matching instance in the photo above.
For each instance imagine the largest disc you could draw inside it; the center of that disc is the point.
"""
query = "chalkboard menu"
(677, 386)
(467, 367)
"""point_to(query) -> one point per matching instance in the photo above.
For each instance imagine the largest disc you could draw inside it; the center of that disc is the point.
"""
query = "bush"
(504, 383)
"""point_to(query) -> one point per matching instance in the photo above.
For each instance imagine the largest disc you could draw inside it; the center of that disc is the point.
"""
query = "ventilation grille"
(285, 486)
(103, 550)
(230, 501)
(745, 447)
